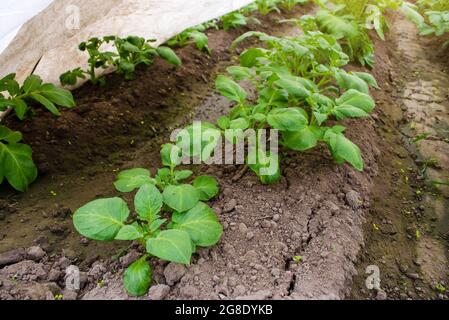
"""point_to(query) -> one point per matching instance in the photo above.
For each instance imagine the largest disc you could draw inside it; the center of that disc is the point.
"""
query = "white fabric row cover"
(47, 45)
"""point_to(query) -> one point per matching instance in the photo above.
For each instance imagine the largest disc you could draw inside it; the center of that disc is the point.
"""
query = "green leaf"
(20, 107)
(58, 96)
(240, 73)
(206, 186)
(170, 155)
(201, 224)
(301, 140)
(239, 123)
(249, 58)
(101, 219)
(32, 83)
(181, 198)
(129, 233)
(148, 202)
(224, 122)
(16, 163)
(339, 27)
(137, 278)
(287, 119)
(368, 78)
(353, 104)
(171, 245)
(200, 38)
(294, 87)
(9, 135)
(46, 103)
(183, 175)
(129, 180)
(230, 89)
(344, 149)
(169, 55)
(265, 165)
(349, 81)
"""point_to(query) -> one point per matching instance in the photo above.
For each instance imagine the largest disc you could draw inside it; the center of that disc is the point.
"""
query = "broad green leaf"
(368, 78)
(337, 26)
(171, 245)
(170, 155)
(265, 165)
(58, 96)
(240, 73)
(198, 139)
(137, 278)
(353, 104)
(32, 83)
(129, 180)
(200, 38)
(343, 148)
(249, 58)
(349, 81)
(294, 87)
(20, 107)
(230, 89)
(148, 202)
(169, 55)
(181, 198)
(223, 122)
(287, 119)
(302, 140)
(183, 175)
(206, 186)
(129, 233)
(101, 219)
(9, 135)
(46, 103)
(201, 224)
(239, 123)
(16, 163)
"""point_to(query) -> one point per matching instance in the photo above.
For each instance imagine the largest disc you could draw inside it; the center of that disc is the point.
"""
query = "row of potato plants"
(170, 218)
(16, 162)
(436, 18)
(236, 19)
(300, 85)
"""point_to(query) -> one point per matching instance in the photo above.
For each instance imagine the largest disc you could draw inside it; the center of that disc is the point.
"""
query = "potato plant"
(195, 35)
(350, 20)
(171, 217)
(16, 163)
(130, 52)
(300, 86)
(436, 22)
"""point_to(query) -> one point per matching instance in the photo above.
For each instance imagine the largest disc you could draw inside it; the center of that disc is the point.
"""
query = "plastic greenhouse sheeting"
(47, 45)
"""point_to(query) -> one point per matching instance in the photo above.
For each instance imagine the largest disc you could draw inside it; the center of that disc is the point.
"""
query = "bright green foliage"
(129, 53)
(194, 35)
(16, 163)
(436, 22)
(237, 19)
(300, 86)
(290, 4)
(350, 20)
(158, 200)
(33, 90)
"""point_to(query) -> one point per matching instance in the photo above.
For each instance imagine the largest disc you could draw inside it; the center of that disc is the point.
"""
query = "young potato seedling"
(171, 217)
(130, 52)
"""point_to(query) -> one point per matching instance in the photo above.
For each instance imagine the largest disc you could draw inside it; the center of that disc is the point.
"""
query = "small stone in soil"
(173, 273)
(159, 292)
(35, 253)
